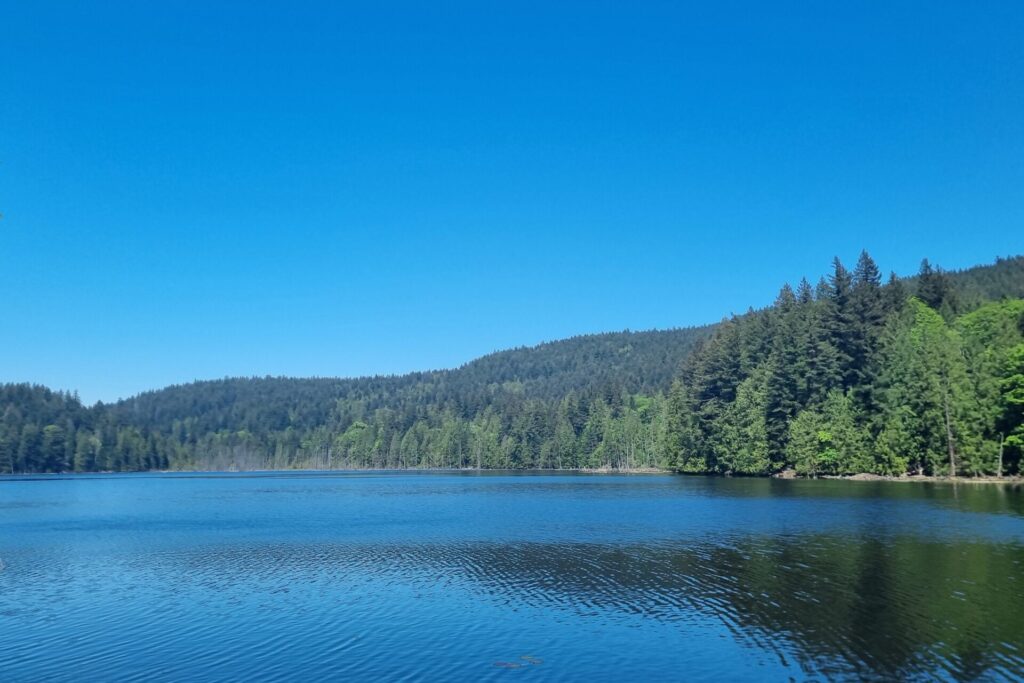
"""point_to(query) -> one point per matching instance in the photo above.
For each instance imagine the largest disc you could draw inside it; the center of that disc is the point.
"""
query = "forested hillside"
(852, 376)
(849, 375)
(490, 412)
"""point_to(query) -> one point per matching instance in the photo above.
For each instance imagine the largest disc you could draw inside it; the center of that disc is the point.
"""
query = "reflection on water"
(486, 577)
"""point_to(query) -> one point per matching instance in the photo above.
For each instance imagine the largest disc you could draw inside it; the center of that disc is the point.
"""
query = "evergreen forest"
(855, 373)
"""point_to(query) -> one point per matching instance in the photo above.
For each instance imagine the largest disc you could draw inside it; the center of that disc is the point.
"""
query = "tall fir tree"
(868, 307)
(842, 322)
(786, 375)
(935, 288)
(895, 294)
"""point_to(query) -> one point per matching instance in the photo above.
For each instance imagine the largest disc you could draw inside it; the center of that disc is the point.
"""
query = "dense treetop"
(855, 376)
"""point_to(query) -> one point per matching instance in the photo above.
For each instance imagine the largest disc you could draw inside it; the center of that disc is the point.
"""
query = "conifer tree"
(53, 448)
(741, 441)
(804, 292)
(7, 450)
(841, 321)
(935, 289)
(895, 294)
(786, 375)
(869, 314)
(30, 449)
(678, 439)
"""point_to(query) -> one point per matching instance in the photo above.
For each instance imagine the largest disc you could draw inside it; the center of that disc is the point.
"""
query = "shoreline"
(911, 478)
(787, 475)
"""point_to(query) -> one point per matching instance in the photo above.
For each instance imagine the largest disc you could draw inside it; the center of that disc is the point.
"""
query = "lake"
(506, 577)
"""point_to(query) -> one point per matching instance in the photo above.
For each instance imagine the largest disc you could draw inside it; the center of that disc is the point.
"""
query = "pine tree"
(841, 321)
(822, 290)
(678, 433)
(53, 449)
(786, 375)
(30, 449)
(592, 451)
(895, 294)
(805, 439)
(868, 308)
(823, 372)
(742, 438)
(804, 292)
(7, 450)
(935, 289)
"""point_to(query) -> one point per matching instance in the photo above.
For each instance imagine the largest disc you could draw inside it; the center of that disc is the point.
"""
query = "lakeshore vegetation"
(849, 375)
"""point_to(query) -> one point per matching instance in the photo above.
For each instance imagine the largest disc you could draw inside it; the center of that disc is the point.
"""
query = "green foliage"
(741, 440)
(847, 376)
(829, 440)
(925, 372)
(896, 443)
(935, 289)
(856, 377)
(1011, 416)
(526, 407)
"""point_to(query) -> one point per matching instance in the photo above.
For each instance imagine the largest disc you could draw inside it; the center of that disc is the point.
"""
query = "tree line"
(922, 375)
(853, 376)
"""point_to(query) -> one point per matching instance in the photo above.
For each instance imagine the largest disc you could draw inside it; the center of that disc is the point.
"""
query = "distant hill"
(635, 362)
(1003, 279)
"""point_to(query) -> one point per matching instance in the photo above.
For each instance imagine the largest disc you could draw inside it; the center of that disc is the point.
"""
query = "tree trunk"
(999, 471)
(949, 436)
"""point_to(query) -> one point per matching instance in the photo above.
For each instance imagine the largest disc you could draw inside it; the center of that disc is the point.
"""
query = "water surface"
(507, 577)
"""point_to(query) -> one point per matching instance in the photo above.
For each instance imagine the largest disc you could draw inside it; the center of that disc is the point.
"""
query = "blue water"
(507, 577)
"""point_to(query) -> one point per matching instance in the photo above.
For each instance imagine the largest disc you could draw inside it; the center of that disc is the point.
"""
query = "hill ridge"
(586, 399)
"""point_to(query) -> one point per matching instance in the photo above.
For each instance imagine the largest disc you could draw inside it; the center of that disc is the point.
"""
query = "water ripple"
(343, 588)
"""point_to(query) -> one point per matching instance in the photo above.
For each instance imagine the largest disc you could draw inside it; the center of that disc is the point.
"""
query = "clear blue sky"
(199, 189)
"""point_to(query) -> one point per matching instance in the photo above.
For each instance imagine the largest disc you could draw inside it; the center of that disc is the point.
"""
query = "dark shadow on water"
(863, 608)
